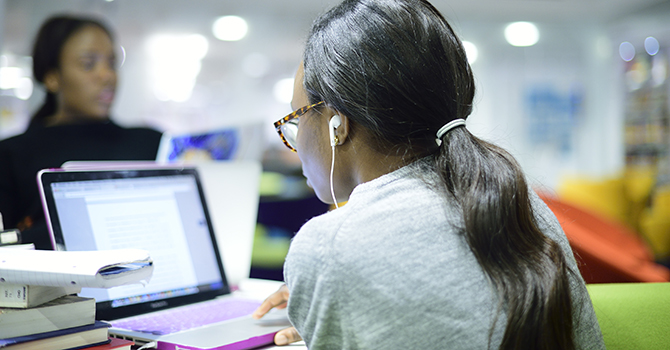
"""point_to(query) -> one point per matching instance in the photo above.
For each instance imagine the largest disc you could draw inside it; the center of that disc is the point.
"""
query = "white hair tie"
(445, 129)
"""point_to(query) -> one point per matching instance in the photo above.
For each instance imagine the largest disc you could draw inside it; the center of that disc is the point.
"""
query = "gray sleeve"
(314, 308)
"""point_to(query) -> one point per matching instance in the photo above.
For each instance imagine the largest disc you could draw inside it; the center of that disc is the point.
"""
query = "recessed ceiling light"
(522, 34)
(230, 28)
(471, 51)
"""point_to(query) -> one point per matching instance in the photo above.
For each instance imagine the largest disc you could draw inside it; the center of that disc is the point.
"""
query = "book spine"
(26, 296)
(13, 295)
(78, 332)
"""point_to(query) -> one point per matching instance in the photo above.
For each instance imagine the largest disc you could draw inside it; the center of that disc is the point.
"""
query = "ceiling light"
(175, 63)
(471, 51)
(283, 90)
(123, 55)
(651, 45)
(627, 51)
(522, 34)
(230, 28)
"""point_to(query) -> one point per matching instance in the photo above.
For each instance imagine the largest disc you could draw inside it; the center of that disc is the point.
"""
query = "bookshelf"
(647, 145)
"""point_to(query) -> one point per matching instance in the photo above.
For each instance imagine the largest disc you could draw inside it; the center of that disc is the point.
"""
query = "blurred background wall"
(582, 103)
(557, 105)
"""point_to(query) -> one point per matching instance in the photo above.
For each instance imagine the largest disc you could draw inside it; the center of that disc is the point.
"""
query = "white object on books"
(11, 236)
(25, 296)
(65, 312)
(24, 246)
(92, 269)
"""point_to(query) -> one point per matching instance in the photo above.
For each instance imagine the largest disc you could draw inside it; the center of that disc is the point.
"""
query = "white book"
(92, 269)
(25, 296)
(64, 312)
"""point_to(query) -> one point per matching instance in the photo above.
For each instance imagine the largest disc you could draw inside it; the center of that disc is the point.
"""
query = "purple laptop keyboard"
(188, 317)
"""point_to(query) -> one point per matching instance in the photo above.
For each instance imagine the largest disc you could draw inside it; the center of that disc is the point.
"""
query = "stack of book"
(39, 308)
(44, 318)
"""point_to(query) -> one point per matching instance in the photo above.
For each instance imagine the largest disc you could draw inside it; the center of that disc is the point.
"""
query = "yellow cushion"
(603, 196)
(655, 222)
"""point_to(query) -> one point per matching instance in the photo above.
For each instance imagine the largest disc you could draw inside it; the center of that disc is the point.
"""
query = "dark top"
(23, 156)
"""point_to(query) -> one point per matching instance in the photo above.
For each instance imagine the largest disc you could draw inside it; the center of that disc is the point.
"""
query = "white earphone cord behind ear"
(332, 168)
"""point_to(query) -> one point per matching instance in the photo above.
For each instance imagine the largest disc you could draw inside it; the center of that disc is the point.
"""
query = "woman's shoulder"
(319, 227)
(19, 140)
(138, 136)
(546, 219)
(111, 126)
(144, 134)
(143, 130)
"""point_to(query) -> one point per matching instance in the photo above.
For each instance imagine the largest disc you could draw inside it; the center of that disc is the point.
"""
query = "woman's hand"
(278, 300)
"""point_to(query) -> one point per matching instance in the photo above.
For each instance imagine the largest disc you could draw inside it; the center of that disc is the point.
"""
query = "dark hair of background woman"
(47, 50)
(397, 69)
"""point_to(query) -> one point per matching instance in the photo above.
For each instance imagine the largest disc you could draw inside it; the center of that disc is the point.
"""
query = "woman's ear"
(52, 81)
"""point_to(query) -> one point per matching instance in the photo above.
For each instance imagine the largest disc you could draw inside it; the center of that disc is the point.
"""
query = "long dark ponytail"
(397, 69)
(527, 269)
(47, 49)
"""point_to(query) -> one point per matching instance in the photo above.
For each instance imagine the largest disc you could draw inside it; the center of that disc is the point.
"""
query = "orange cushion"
(607, 252)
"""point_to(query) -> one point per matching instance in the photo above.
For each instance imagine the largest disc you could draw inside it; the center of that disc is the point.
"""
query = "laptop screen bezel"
(104, 309)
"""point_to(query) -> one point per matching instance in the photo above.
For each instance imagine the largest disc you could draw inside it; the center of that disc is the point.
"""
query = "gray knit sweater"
(388, 270)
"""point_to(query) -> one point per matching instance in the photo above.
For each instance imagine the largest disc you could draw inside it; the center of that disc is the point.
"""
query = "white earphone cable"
(332, 167)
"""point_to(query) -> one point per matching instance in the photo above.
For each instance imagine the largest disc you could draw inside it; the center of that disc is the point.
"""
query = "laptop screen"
(160, 210)
(220, 144)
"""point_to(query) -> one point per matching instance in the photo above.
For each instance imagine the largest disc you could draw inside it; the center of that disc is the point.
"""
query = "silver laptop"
(162, 210)
(234, 220)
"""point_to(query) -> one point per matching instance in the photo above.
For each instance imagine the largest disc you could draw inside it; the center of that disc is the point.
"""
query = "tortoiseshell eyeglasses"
(287, 127)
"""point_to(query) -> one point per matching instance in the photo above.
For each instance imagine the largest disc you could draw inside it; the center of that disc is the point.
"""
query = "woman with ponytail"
(442, 244)
(74, 59)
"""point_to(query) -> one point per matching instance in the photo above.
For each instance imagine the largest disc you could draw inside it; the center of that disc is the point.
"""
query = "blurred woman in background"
(74, 59)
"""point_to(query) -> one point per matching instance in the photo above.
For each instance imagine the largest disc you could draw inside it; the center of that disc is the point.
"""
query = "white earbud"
(334, 122)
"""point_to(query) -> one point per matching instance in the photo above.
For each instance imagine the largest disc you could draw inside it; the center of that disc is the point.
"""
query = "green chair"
(633, 315)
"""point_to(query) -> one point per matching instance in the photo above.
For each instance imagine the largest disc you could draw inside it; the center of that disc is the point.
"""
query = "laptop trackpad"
(241, 333)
